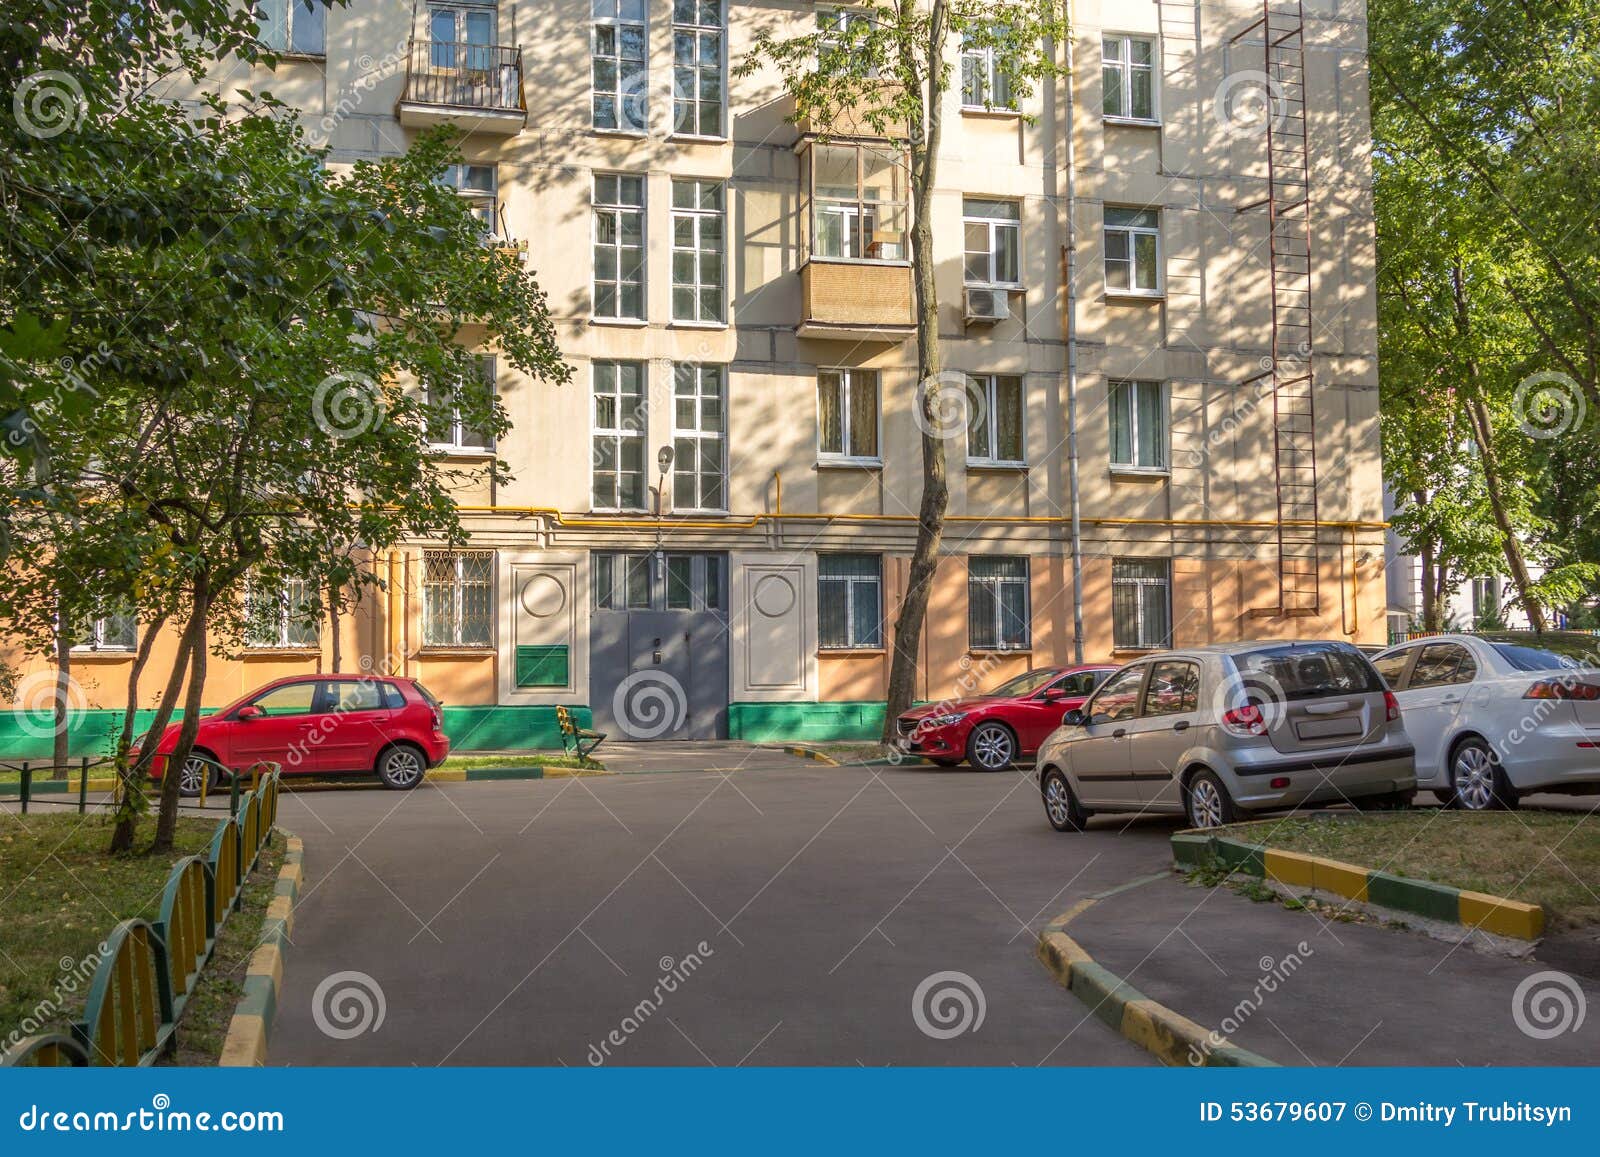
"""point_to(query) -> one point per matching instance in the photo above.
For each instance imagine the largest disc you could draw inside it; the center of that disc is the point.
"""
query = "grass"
(60, 895)
(1546, 858)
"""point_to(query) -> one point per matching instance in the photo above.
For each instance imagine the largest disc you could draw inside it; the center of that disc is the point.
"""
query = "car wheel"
(991, 747)
(197, 772)
(401, 767)
(1061, 806)
(1207, 802)
(1477, 781)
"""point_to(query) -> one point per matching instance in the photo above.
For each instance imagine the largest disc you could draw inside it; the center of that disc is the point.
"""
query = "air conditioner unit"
(988, 306)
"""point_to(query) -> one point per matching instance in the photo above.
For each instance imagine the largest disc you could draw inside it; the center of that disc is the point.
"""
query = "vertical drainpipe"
(1072, 353)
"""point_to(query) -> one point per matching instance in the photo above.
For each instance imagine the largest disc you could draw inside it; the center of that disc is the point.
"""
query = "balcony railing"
(469, 78)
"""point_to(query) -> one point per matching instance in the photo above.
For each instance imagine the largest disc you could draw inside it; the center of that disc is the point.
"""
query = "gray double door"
(658, 645)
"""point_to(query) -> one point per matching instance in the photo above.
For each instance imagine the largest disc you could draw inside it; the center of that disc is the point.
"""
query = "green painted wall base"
(27, 735)
(817, 722)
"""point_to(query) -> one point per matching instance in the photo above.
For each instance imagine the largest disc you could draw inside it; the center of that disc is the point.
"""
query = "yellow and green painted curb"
(1170, 1036)
(316, 783)
(812, 753)
(1442, 902)
(251, 1027)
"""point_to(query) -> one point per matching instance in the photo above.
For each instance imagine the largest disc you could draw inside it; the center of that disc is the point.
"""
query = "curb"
(251, 1027)
(453, 775)
(1474, 910)
(811, 753)
(1167, 1035)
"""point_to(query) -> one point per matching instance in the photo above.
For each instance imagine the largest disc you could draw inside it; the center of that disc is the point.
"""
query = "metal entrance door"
(658, 645)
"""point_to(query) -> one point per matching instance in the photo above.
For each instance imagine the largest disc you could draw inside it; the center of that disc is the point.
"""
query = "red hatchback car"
(320, 724)
(992, 731)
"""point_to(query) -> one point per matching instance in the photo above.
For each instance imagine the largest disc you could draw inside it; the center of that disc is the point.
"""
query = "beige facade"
(1201, 504)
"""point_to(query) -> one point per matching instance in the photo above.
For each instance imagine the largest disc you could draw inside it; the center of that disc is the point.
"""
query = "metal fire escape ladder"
(1281, 33)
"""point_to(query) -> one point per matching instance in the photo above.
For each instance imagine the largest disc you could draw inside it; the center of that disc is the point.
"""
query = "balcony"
(868, 301)
(475, 87)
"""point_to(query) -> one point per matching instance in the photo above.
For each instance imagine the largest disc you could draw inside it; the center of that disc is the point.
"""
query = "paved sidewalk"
(1362, 995)
(702, 755)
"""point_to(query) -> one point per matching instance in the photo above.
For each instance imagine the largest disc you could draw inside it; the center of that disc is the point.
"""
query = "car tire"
(401, 767)
(1477, 780)
(1206, 801)
(199, 771)
(991, 747)
(1061, 806)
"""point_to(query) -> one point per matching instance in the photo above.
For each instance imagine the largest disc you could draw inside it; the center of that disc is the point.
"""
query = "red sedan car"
(316, 725)
(992, 731)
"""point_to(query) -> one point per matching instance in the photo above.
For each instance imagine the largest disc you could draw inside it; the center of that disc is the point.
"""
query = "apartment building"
(734, 291)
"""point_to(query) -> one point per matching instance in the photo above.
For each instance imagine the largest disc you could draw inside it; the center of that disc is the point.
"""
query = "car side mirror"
(247, 713)
(1054, 694)
(1074, 718)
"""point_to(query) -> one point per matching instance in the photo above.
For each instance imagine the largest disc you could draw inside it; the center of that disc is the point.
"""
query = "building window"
(462, 37)
(282, 618)
(859, 203)
(621, 581)
(694, 582)
(984, 83)
(117, 631)
(997, 604)
(844, 30)
(1128, 73)
(847, 414)
(1133, 251)
(1141, 603)
(994, 419)
(617, 60)
(1139, 425)
(619, 434)
(477, 185)
(698, 438)
(619, 246)
(697, 251)
(697, 67)
(448, 429)
(457, 598)
(849, 601)
(993, 242)
(297, 26)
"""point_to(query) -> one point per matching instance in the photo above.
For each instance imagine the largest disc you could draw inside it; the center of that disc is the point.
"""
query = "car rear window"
(1533, 658)
(1308, 670)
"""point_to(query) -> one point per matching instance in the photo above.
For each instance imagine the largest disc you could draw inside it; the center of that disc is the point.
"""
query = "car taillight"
(1246, 720)
(1391, 707)
(1562, 689)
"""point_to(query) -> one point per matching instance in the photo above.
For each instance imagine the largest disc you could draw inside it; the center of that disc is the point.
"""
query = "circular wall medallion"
(543, 596)
(774, 596)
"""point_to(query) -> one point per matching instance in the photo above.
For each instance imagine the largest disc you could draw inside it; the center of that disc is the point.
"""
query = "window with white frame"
(117, 631)
(294, 26)
(697, 84)
(994, 419)
(621, 581)
(1139, 425)
(1128, 74)
(449, 423)
(477, 185)
(619, 435)
(699, 437)
(462, 36)
(619, 74)
(998, 617)
(847, 415)
(1141, 603)
(619, 246)
(859, 205)
(993, 241)
(458, 598)
(849, 601)
(280, 617)
(1133, 251)
(843, 30)
(984, 83)
(698, 261)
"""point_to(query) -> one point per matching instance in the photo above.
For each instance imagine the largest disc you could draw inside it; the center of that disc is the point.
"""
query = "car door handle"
(1181, 725)
(1451, 699)
(1119, 733)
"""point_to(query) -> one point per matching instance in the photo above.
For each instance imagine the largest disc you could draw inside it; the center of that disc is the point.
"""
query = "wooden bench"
(574, 738)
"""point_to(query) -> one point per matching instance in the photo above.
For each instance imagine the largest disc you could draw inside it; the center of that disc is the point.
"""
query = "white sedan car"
(1493, 720)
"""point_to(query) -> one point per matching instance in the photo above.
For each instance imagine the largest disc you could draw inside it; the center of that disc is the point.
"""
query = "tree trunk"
(135, 777)
(333, 630)
(60, 749)
(932, 406)
(122, 837)
(167, 818)
(1430, 604)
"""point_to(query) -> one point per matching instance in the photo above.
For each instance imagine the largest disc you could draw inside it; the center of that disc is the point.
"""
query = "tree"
(890, 68)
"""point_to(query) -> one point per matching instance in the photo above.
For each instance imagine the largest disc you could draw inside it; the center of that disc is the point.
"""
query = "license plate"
(1328, 728)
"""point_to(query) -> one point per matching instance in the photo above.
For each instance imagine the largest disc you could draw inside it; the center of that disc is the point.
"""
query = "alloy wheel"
(1205, 804)
(991, 747)
(193, 776)
(402, 767)
(1474, 778)
(1056, 802)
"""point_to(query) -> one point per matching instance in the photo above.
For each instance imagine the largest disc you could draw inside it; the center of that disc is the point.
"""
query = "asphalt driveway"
(783, 915)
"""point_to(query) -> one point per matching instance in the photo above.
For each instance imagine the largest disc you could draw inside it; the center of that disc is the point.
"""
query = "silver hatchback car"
(1218, 732)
